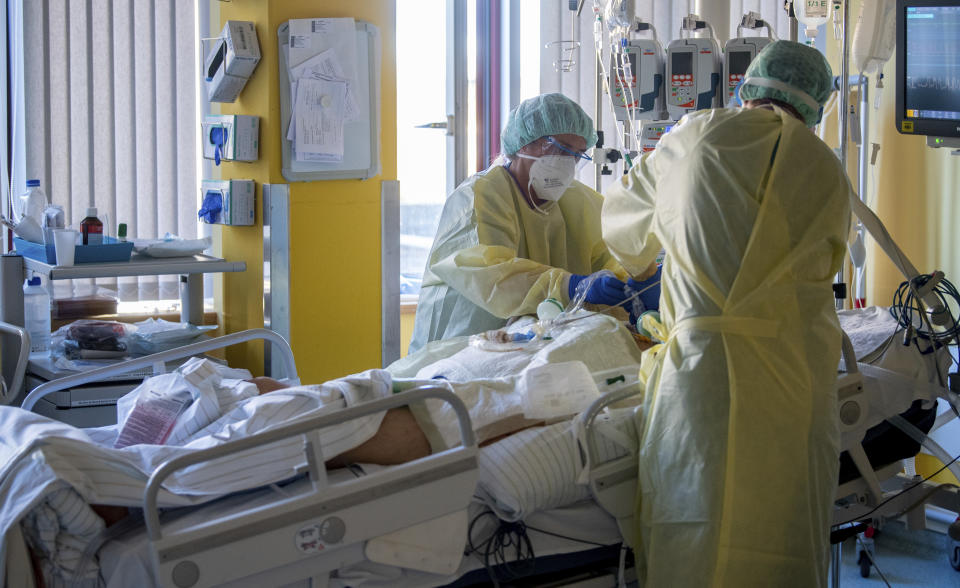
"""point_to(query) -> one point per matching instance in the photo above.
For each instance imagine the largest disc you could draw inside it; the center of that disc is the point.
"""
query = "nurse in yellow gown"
(521, 231)
(740, 447)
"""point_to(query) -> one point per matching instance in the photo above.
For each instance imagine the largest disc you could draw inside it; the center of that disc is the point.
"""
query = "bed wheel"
(955, 555)
(864, 563)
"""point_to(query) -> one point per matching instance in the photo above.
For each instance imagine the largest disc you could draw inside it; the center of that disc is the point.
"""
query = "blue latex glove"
(651, 297)
(602, 290)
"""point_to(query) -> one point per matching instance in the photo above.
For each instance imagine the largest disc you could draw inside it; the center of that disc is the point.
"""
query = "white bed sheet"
(39, 456)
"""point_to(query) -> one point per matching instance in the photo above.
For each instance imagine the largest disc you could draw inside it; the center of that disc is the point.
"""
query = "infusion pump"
(651, 133)
(640, 96)
(737, 55)
(693, 76)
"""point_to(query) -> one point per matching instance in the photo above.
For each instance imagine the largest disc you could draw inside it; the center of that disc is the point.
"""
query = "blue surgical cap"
(797, 65)
(542, 116)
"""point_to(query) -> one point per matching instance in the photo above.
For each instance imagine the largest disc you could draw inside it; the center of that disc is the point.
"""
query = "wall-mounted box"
(236, 135)
(231, 61)
(227, 202)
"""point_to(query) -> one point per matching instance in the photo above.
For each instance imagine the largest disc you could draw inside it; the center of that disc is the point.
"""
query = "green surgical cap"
(798, 65)
(542, 116)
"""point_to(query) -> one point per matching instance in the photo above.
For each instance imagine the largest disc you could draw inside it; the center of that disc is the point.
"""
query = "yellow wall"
(406, 328)
(335, 225)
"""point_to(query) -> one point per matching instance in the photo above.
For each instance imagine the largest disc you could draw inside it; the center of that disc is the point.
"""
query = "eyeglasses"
(580, 155)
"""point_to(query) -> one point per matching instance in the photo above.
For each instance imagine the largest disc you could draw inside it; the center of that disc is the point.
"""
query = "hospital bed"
(383, 550)
(358, 526)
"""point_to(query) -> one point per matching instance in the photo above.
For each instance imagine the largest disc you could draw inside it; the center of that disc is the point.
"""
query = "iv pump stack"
(92, 228)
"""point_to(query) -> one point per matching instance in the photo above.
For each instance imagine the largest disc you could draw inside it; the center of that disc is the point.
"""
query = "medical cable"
(506, 535)
(567, 537)
(873, 562)
(907, 306)
(904, 491)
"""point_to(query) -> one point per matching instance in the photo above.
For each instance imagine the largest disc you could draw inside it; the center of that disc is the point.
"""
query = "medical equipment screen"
(932, 70)
(738, 61)
(682, 63)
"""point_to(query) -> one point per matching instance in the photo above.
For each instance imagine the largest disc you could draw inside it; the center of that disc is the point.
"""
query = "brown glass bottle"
(91, 228)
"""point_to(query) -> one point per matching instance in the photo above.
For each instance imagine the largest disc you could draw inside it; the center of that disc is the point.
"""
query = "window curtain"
(559, 23)
(109, 97)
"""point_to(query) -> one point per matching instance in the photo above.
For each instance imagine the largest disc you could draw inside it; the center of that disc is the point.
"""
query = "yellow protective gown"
(494, 257)
(740, 448)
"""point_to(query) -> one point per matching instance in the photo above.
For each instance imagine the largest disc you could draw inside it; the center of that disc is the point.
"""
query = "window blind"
(109, 97)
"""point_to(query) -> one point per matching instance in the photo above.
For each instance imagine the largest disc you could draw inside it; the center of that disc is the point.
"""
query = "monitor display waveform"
(932, 84)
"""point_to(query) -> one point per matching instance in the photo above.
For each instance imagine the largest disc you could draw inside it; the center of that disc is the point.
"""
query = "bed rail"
(9, 391)
(318, 527)
(158, 361)
(439, 392)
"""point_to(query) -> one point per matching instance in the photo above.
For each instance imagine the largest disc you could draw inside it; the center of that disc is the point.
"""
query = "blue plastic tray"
(111, 250)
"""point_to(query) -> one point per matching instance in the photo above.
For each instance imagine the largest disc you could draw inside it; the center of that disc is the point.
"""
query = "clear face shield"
(553, 146)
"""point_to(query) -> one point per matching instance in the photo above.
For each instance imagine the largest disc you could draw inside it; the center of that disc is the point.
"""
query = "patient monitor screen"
(932, 84)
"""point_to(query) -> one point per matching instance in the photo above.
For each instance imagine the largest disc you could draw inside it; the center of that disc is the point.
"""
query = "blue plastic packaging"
(110, 250)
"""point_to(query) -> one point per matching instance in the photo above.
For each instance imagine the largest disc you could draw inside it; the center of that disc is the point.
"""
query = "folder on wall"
(329, 99)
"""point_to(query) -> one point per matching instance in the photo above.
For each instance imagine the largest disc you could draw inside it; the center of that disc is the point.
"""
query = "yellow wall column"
(335, 295)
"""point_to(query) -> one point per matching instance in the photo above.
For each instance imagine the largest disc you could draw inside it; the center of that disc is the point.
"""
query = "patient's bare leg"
(398, 440)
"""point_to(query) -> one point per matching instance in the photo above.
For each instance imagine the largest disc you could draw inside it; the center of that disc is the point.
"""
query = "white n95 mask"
(551, 175)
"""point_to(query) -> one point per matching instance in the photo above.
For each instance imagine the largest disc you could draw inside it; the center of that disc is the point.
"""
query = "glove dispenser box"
(227, 202)
(231, 61)
(233, 137)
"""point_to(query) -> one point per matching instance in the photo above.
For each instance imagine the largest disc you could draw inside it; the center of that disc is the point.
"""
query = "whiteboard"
(361, 156)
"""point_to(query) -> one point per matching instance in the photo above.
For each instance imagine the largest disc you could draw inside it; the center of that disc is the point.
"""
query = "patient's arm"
(398, 440)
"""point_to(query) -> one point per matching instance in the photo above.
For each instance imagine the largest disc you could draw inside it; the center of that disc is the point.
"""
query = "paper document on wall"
(328, 66)
(320, 107)
(322, 68)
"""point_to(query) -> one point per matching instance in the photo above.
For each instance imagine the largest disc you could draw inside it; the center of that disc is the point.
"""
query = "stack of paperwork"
(323, 67)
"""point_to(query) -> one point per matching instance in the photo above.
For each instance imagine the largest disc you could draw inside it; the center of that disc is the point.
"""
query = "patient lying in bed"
(490, 381)
(486, 380)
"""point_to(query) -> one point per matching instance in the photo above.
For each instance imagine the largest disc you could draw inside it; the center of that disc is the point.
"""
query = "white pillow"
(536, 469)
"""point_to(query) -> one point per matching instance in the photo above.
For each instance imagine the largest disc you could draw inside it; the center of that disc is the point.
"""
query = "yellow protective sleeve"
(496, 280)
(627, 217)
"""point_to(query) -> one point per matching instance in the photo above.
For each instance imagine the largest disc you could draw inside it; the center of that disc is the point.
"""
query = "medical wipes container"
(227, 202)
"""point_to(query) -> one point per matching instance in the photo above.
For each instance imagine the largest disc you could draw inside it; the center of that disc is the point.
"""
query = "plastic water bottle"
(36, 314)
(33, 202)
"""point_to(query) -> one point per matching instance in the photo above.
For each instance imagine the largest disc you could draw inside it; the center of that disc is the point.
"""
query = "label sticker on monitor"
(906, 126)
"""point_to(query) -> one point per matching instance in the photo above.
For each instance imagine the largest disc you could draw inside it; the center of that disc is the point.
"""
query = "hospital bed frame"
(308, 535)
(8, 391)
(311, 535)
